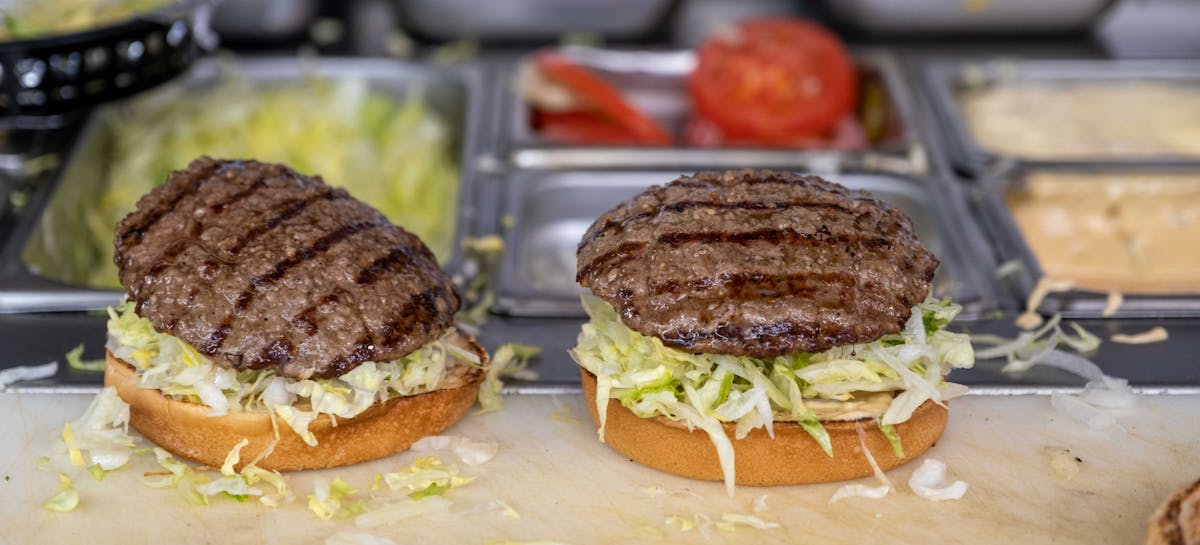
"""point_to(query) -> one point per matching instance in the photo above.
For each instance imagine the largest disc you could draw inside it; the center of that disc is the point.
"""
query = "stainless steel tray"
(452, 93)
(1010, 244)
(656, 82)
(945, 78)
(551, 210)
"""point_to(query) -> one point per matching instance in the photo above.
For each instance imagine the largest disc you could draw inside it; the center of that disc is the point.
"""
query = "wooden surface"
(568, 487)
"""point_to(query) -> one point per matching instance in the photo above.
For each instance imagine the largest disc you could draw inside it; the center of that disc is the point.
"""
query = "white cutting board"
(570, 488)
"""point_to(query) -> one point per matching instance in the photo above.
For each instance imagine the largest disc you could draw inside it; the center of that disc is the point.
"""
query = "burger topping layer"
(169, 364)
(887, 378)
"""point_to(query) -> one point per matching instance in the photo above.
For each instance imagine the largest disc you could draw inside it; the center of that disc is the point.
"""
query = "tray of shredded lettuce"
(388, 146)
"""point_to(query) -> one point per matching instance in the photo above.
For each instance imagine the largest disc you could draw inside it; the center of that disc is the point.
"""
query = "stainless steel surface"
(1010, 244)
(945, 78)
(655, 81)
(453, 93)
(532, 19)
(552, 210)
(261, 20)
(938, 16)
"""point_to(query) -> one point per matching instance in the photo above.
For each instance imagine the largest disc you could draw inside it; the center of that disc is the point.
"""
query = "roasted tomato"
(773, 81)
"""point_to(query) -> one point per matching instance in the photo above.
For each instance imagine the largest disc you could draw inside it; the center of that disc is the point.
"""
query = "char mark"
(755, 285)
(421, 309)
(140, 229)
(291, 210)
(400, 255)
(259, 183)
(683, 206)
(281, 268)
(773, 236)
(307, 318)
(624, 252)
(278, 353)
(212, 343)
(363, 350)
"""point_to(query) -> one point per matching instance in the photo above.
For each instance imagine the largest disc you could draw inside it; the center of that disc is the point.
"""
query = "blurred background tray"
(46, 268)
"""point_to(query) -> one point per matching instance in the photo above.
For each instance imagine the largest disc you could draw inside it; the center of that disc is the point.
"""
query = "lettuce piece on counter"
(100, 437)
(173, 366)
(67, 498)
(706, 391)
(328, 499)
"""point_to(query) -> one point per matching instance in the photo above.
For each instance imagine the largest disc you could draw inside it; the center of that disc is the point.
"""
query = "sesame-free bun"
(1177, 521)
(186, 430)
(792, 457)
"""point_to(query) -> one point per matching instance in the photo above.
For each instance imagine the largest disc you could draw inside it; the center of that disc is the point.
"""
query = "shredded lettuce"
(396, 155)
(173, 366)
(75, 360)
(67, 498)
(510, 360)
(100, 438)
(706, 391)
(729, 522)
(427, 474)
(328, 499)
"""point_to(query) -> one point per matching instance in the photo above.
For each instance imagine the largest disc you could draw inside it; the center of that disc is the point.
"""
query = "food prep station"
(920, 156)
(539, 197)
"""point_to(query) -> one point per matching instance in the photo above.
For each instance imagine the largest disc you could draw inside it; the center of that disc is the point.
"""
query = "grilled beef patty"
(258, 267)
(756, 263)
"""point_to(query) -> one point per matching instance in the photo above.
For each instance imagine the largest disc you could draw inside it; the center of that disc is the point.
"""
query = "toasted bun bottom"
(186, 430)
(1177, 521)
(792, 457)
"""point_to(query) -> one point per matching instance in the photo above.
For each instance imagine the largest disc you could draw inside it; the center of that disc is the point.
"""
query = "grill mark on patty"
(293, 209)
(307, 318)
(320, 246)
(196, 229)
(214, 340)
(278, 353)
(157, 214)
(752, 285)
(421, 309)
(682, 206)
(626, 251)
(259, 182)
(400, 255)
(363, 349)
(773, 236)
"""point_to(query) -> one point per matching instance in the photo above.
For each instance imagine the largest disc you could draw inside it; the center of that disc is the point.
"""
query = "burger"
(763, 328)
(266, 306)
